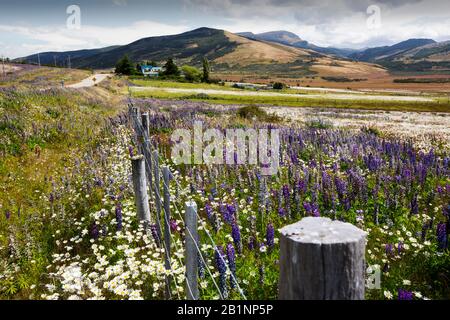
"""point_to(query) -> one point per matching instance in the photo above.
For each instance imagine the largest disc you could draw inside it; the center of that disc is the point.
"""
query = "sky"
(27, 27)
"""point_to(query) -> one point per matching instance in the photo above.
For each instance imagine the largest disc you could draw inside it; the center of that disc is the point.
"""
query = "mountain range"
(274, 53)
(291, 39)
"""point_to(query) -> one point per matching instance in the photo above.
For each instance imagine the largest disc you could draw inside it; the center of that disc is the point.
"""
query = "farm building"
(150, 70)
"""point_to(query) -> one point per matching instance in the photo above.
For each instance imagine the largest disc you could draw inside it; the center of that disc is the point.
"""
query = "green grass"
(41, 135)
(180, 85)
(439, 105)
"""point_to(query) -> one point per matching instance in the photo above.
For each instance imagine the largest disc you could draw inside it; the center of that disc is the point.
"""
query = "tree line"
(170, 70)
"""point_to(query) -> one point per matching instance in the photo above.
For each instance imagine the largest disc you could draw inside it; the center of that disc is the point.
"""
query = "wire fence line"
(147, 147)
(139, 126)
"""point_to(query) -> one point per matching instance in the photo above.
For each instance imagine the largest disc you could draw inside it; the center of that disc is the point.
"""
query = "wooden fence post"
(146, 123)
(321, 259)
(157, 193)
(191, 251)
(146, 151)
(166, 179)
(140, 189)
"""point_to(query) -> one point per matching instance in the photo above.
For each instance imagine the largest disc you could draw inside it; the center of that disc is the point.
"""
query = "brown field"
(377, 81)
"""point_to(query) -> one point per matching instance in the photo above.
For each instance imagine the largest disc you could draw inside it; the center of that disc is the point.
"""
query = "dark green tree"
(125, 66)
(206, 70)
(171, 68)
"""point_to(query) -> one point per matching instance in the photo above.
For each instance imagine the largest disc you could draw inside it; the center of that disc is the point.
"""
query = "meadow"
(436, 105)
(69, 230)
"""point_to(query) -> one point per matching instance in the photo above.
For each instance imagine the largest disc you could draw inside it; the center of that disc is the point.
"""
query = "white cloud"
(88, 37)
(338, 23)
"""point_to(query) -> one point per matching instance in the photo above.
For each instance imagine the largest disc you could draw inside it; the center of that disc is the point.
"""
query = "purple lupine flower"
(131, 151)
(389, 249)
(119, 216)
(302, 186)
(236, 235)
(214, 192)
(405, 294)
(446, 211)
(7, 214)
(219, 258)
(231, 256)
(252, 243)
(400, 247)
(173, 225)
(441, 233)
(281, 212)
(51, 197)
(308, 208)
(209, 210)
(270, 235)
(316, 212)
(231, 212)
(95, 231)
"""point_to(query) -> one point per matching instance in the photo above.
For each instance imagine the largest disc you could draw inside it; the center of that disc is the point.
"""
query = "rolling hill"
(61, 59)
(291, 39)
(385, 52)
(227, 52)
(413, 55)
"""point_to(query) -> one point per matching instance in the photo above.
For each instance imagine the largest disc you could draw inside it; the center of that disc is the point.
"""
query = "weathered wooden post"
(147, 150)
(158, 202)
(166, 179)
(140, 189)
(321, 259)
(146, 123)
(190, 220)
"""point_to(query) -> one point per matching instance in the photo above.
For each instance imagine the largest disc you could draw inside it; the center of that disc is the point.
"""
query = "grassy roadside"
(42, 77)
(439, 105)
(43, 135)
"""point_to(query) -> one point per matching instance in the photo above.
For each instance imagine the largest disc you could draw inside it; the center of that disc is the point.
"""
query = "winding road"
(90, 82)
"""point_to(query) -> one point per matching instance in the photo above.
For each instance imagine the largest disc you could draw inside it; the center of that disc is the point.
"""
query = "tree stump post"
(321, 259)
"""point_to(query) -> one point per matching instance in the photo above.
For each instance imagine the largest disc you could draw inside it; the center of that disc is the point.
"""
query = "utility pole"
(3, 65)
(39, 59)
(70, 66)
(54, 58)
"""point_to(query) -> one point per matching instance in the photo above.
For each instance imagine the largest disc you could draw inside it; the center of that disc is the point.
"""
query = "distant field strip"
(275, 94)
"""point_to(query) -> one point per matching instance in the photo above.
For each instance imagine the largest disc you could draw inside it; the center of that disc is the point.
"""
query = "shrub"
(192, 74)
(279, 86)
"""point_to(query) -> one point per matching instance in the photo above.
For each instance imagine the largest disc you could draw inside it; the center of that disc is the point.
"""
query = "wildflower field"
(69, 228)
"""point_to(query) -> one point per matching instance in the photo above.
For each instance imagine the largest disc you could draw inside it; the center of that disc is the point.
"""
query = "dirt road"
(90, 82)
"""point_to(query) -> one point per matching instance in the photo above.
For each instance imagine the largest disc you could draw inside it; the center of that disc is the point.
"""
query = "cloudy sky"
(42, 25)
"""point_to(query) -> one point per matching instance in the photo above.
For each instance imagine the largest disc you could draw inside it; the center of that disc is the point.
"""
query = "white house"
(150, 71)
